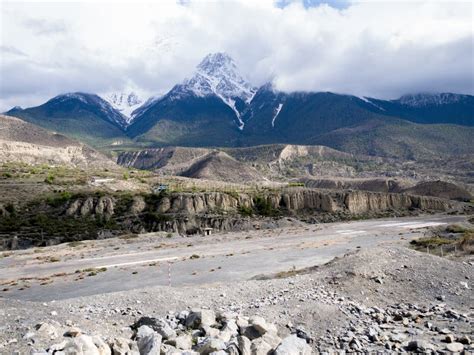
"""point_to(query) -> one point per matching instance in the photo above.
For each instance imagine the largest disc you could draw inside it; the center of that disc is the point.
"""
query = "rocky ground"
(384, 299)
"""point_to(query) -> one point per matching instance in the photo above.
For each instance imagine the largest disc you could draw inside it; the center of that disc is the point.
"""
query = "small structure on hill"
(206, 231)
(160, 188)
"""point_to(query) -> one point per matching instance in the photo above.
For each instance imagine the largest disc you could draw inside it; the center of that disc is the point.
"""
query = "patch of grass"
(455, 228)
(58, 200)
(467, 239)
(53, 259)
(245, 211)
(295, 184)
(263, 207)
(233, 194)
(49, 179)
(194, 256)
(430, 241)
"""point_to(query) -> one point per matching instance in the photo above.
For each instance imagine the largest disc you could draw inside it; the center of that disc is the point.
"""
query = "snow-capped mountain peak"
(125, 103)
(217, 74)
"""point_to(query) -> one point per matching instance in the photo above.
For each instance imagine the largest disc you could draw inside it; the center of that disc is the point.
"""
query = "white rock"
(183, 342)
(102, 347)
(260, 347)
(200, 317)
(244, 344)
(148, 341)
(455, 347)
(122, 346)
(292, 345)
(209, 345)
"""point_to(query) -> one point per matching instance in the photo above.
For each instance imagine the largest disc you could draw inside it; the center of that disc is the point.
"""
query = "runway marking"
(413, 225)
(349, 232)
(137, 262)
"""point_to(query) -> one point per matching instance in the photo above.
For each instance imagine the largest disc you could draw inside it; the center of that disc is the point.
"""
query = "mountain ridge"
(218, 107)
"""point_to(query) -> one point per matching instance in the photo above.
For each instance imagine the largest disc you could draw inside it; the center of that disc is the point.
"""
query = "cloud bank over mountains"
(381, 49)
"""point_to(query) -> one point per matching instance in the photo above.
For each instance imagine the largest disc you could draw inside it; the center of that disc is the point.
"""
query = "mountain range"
(217, 106)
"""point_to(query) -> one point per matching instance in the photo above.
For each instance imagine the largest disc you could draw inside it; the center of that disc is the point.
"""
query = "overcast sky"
(373, 48)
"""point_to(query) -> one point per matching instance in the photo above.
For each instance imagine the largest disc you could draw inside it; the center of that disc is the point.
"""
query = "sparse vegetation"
(430, 242)
(49, 179)
(245, 211)
(263, 207)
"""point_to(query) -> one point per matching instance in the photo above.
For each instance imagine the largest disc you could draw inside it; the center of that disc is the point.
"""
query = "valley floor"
(374, 285)
(158, 259)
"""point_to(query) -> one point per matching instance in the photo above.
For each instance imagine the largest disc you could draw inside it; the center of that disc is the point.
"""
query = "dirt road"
(95, 267)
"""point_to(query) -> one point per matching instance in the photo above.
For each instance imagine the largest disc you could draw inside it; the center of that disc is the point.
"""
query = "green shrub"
(245, 211)
(263, 207)
(59, 199)
(296, 184)
(49, 179)
(430, 241)
(454, 228)
(10, 208)
(155, 217)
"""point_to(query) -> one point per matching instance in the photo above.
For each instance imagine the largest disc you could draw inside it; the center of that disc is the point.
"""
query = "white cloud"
(377, 48)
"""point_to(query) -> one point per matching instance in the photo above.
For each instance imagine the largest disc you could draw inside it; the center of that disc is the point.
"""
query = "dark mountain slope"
(82, 116)
(430, 108)
(400, 139)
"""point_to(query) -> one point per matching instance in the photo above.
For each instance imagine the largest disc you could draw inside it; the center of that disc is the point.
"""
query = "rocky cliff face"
(290, 201)
(86, 217)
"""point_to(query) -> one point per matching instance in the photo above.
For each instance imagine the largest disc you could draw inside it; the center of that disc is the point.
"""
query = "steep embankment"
(169, 160)
(26, 143)
(374, 185)
(440, 189)
(63, 217)
(222, 167)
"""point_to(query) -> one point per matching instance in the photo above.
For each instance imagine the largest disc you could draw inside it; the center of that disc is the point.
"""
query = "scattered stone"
(122, 346)
(292, 345)
(148, 341)
(200, 317)
(455, 347)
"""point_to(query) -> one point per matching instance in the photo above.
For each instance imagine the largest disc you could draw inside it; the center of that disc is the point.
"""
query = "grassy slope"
(401, 139)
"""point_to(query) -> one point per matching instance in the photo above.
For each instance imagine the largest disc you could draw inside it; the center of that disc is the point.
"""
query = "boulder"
(244, 344)
(122, 346)
(200, 317)
(261, 326)
(183, 342)
(209, 345)
(158, 325)
(46, 330)
(80, 345)
(292, 345)
(260, 347)
(455, 347)
(148, 341)
(101, 345)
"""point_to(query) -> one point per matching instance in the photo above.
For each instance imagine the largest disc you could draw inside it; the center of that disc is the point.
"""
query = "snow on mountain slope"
(277, 112)
(92, 102)
(421, 100)
(125, 103)
(218, 75)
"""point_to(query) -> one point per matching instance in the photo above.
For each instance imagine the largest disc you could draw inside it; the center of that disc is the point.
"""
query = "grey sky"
(373, 48)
